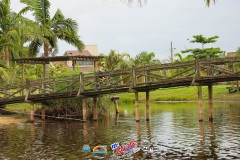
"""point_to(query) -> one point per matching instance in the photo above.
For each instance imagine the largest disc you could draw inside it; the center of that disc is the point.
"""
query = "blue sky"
(114, 25)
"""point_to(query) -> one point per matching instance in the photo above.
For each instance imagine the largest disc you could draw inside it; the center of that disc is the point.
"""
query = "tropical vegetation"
(52, 29)
(21, 37)
(203, 52)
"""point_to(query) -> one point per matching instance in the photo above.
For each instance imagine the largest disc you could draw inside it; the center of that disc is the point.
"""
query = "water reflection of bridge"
(204, 72)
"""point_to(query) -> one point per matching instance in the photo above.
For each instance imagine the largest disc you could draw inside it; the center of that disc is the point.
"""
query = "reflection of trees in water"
(234, 110)
(16, 139)
(3, 139)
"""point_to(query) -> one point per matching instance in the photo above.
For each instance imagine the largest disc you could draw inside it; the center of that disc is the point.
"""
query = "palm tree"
(9, 35)
(15, 30)
(116, 61)
(145, 58)
(57, 27)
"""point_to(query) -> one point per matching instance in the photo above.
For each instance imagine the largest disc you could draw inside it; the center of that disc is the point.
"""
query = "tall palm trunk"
(46, 48)
(45, 72)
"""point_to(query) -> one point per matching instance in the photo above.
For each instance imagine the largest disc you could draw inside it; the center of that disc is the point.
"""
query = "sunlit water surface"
(173, 127)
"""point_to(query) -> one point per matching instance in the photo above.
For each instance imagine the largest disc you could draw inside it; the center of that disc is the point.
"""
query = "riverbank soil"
(11, 119)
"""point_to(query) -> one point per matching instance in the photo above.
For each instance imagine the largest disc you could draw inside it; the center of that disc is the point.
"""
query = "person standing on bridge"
(103, 69)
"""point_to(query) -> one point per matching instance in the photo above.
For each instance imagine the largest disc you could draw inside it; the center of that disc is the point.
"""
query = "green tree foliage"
(238, 51)
(145, 58)
(203, 40)
(4, 73)
(236, 65)
(15, 30)
(57, 27)
(203, 52)
(57, 70)
(209, 1)
(115, 61)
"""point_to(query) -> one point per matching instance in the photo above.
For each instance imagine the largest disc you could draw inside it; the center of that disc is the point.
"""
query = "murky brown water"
(174, 129)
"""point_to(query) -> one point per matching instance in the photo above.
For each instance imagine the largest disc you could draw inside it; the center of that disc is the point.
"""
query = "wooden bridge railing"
(142, 79)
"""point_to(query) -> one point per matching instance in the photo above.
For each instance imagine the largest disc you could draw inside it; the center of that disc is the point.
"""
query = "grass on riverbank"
(20, 107)
(220, 93)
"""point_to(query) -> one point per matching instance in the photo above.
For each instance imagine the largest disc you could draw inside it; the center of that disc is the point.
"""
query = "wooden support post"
(116, 117)
(32, 112)
(95, 66)
(45, 71)
(43, 112)
(209, 70)
(116, 106)
(197, 68)
(114, 99)
(95, 110)
(22, 78)
(232, 72)
(28, 87)
(121, 78)
(81, 84)
(200, 112)
(210, 97)
(147, 106)
(73, 64)
(165, 73)
(134, 80)
(84, 108)
(137, 107)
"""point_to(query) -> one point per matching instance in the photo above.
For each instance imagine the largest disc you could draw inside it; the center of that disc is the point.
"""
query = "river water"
(173, 128)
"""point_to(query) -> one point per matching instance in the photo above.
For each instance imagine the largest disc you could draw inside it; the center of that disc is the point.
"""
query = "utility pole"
(171, 49)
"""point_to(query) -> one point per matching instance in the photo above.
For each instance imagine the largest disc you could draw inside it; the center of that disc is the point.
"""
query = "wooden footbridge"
(201, 72)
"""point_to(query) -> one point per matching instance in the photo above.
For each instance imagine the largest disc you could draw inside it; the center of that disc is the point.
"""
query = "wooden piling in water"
(147, 106)
(43, 112)
(210, 97)
(200, 112)
(32, 112)
(84, 109)
(114, 99)
(95, 110)
(22, 93)
(137, 107)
